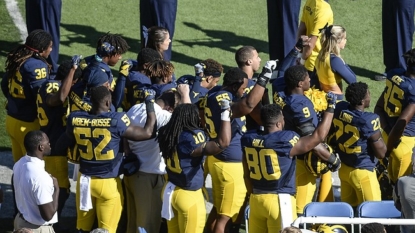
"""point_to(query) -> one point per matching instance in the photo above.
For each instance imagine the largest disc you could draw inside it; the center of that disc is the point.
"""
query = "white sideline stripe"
(17, 18)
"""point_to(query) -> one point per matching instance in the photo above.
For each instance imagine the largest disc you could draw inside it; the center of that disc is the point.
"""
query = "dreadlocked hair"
(410, 61)
(159, 69)
(330, 39)
(115, 40)
(36, 42)
(184, 117)
(356, 92)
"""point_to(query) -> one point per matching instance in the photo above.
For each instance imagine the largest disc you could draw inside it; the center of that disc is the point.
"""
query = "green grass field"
(204, 29)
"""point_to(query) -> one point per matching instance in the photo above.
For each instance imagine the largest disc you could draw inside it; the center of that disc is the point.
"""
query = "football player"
(301, 118)
(248, 60)
(225, 168)
(26, 70)
(132, 80)
(52, 108)
(96, 136)
(355, 136)
(183, 144)
(97, 72)
(269, 167)
(396, 109)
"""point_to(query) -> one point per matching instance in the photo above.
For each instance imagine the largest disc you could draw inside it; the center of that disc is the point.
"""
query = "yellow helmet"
(331, 229)
(314, 164)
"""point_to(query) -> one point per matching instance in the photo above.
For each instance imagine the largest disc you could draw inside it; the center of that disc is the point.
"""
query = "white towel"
(85, 192)
(286, 208)
(166, 210)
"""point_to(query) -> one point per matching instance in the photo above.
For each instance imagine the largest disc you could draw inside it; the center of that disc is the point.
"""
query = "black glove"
(150, 96)
(331, 101)
(334, 163)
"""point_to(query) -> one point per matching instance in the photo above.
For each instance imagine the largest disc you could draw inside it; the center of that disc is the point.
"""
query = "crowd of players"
(165, 135)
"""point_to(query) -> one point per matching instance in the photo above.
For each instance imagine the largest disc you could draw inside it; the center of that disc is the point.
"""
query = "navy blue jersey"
(298, 110)
(76, 98)
(349, 134)
(97, 73)
(184, 170)
(161, 88)
(52, 120)
(212, 111)
(22, 89)
(251, 124)
(398, 94)
(97, 141)
(268, 158)
(135, 84)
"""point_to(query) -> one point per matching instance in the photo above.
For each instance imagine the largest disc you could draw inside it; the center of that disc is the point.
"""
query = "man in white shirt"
(36, 191)
(143, 189)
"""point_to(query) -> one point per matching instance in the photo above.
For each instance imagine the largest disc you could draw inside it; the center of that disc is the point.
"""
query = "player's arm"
(307, 143)
(57, 98)
(184, 91)
(196, 89)
(247, 104)
(398, 128)
(124, 71)
(137, 133)
(377, 144)
(48, 210)
(224, 138)
(307, 128)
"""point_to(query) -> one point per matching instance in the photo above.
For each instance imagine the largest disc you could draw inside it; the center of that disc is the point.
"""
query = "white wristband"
(225, 115)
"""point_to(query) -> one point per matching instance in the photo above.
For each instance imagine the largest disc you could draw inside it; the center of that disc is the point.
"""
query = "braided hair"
(119, 45)
(184, 117)
(36, 42)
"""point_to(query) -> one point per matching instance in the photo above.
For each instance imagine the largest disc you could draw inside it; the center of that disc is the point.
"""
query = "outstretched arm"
(57, 98)
(247, 104)
(397, 130)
